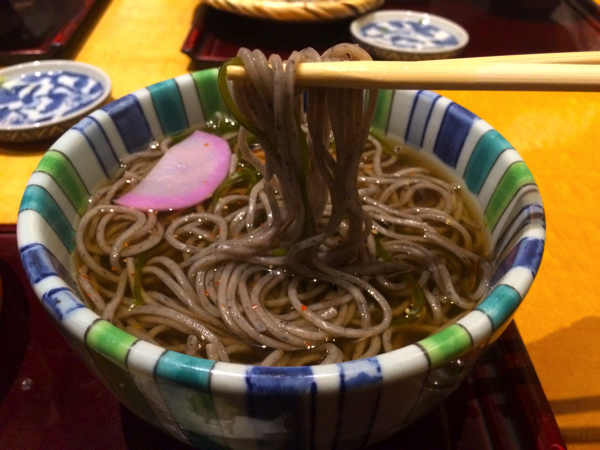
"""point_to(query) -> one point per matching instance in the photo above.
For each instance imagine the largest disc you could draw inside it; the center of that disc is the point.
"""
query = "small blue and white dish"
(42, 99)
(408, 35)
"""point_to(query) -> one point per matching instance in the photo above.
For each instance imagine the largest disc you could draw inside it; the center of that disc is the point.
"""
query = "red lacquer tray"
(50, 401)
(569, 25)
(40, 29)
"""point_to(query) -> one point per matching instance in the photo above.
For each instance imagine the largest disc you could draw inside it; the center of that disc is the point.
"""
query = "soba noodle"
(321, 246)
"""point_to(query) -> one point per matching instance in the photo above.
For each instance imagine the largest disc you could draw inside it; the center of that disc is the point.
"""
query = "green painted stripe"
(208, 92)
(124, 386)
(500, 304)
(38, 199)
(110, 341)
(447, 344)
(382, 112)
(169, 107)
(484, 155)
(56, 164)
(196, 414)
(186, 370)
(517, 176)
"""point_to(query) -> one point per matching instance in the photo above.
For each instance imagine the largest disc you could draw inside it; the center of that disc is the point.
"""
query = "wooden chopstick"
(591, 57)
(514, 74)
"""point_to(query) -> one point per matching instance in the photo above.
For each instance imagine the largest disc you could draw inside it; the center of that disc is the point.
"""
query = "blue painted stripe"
(40, 263)
(93, 132)
(38, 199)
(169, 107)
(500, 304)
(453, 132)
(62, 302)
(313, 415)
(279, 380)
(486, 152)
(280, 393)
(527, 253)
(529, 214)
(422, 107)
(130, 121)
(358, 379)
(360, 372)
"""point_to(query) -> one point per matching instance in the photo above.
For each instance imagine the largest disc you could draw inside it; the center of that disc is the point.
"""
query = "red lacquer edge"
(522, 405)
(60, 38)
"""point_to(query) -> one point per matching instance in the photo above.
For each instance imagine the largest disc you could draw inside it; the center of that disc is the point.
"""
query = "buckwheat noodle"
(335, 251)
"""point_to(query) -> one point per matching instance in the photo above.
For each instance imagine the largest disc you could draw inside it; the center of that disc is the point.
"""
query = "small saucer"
(408, 35)
(42, 99)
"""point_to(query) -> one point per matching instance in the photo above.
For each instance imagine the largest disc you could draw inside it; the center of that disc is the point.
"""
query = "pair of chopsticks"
(570, 71)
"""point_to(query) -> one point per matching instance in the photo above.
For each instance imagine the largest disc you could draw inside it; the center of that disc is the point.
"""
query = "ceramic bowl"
(223, 405)
(408, 35)
(42, 99)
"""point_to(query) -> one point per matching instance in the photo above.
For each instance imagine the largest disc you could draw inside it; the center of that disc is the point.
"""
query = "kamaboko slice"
(188, 173)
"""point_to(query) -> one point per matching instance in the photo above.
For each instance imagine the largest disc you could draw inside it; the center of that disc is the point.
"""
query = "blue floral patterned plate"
(41, 100)
(408, 35)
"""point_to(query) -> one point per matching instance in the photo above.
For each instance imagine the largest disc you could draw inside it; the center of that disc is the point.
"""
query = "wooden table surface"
(137, 43)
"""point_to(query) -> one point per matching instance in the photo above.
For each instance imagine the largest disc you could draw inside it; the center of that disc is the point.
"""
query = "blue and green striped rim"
(87, 154)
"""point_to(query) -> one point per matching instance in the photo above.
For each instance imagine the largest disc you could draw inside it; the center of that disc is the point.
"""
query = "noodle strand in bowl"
(321, 246)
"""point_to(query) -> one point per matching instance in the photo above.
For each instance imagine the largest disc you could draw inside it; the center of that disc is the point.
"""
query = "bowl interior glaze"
(222, 405)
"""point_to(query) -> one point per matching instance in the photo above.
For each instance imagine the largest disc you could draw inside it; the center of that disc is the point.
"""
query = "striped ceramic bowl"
(222, 405)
